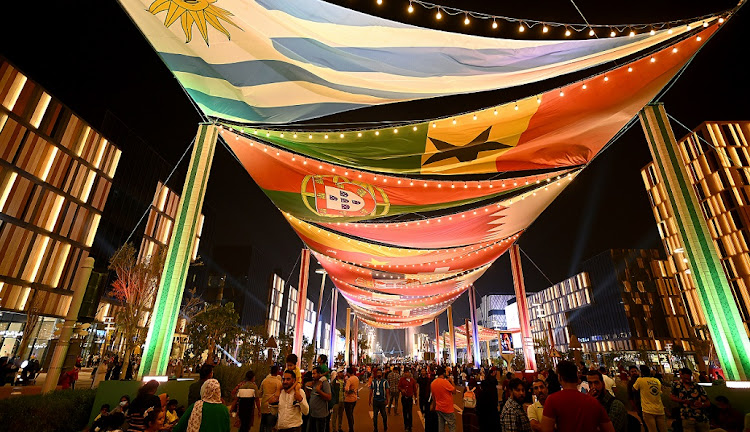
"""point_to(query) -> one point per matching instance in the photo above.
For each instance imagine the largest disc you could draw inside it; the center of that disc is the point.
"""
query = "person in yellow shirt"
(291, 365)
(171, 418)
(653, 408)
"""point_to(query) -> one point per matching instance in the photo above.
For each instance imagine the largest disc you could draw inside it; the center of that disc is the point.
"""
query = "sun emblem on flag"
(200, 13)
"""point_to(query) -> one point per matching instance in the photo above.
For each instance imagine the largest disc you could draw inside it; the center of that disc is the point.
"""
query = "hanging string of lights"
(523, 24)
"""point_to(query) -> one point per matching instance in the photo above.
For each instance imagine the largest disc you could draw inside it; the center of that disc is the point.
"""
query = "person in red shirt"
(407, 385)
(571, 410)
(442, 401)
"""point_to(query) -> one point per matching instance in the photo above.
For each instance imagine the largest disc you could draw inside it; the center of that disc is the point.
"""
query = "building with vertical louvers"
(717, 158)
(55, 175)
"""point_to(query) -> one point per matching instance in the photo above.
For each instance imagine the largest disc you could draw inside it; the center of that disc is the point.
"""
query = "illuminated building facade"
(623, 300)
(55, 176)
(717, 159)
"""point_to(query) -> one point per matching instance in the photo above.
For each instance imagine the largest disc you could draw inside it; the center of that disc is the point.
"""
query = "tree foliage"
(214, 325)
(135, 288)
(253, 345)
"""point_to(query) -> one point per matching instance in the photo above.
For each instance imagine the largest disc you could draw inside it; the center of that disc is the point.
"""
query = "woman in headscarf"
(209, 414)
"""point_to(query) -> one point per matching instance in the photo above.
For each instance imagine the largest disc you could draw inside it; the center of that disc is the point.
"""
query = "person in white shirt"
(292, 404)
(609, 383)
(535, 410)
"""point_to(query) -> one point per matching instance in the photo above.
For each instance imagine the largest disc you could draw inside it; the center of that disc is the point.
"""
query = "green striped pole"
(716, 299)
(168, 298)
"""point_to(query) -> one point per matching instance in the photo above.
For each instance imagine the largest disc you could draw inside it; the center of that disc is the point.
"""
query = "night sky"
(90, 55)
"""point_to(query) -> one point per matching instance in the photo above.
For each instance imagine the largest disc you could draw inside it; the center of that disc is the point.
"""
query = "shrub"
(59, 411)
(230, 376)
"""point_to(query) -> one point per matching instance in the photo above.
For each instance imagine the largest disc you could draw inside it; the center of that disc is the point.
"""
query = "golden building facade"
(55, 175)
(717, 158)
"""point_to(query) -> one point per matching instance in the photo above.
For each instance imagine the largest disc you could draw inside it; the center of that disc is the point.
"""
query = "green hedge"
(230, 376)
(59, 411)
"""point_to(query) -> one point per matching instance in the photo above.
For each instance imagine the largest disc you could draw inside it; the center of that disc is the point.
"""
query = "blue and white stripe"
(293, 60)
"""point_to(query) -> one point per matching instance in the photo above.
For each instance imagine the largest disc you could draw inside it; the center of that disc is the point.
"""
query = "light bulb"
(652, 32)
(699, 38)
(612, 34)
(630, 69)
(466, 20)
(653, 60)
(454, 121)
(538, 100)
(705, 24)
(521, 28)
(689, 27)
(670, 31)
(325, 136)
(380, 2)
(721, 20)
(309, 136)
(545, 29)
(377, 133)
(494, 24)
(415, 128)
(562, 93)
(591, 32)
(516, 107)
(567, 32)
(475, 116)
(674, 50)
(294, 136)
(395, 130)
(411, 8)
(438, 15)
(606, 78)
(359, 134)
(495, 112)
(434, 125)
(632, 33)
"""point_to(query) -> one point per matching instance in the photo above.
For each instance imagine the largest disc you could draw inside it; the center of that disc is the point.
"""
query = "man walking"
(442, 399)
(615, 409)
(535, 412)
(268, 387)
(378, 397)
(423, 383)
(571, 410)
(394, 376)
(407, 386)
(351, 391)
(321, 394)
(693, 402)
(649, 389)
(512, 418)
(337, 390)
(292, 404)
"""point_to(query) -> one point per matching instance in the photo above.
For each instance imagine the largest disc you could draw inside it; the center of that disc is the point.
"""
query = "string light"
(674, 50)
(721, 20)
(516, 107)
(612, 34)
(411, 8)
(632, 33)
(466, 20)
(521, 28)
(567, 32)
(653, 60)
(438, 15)
(294, 136)
(359, 134)
(699, 38)
(377, 133)
(591, 32)
(606, 78)
(538, 100)
(414, 128)
(630, 69)
(494, 23)
(584, 87)
(562, 93)
(380, 2)
(475, 116)
(705, 24)
(545, 29)
(652, 32)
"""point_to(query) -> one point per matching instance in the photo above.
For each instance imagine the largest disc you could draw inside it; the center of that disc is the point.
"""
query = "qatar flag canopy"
(405, 218)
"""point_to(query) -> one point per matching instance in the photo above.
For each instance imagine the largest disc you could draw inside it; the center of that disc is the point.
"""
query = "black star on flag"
(467, 152)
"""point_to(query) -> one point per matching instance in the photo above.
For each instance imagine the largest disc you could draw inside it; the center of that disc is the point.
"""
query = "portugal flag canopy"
(405, 218)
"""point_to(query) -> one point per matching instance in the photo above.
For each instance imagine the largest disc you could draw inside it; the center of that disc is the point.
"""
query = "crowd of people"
(569, 398)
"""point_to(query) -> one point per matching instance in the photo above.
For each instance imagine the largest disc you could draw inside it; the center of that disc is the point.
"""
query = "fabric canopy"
(560, 128)
(281, 61)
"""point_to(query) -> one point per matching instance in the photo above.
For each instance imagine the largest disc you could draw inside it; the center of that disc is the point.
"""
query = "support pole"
(332, 335)
(469, 351)
(61, 349)
(348, 346)
(169, 297)
(523, 309)
(452, 333)
(299, 324)
(476, 354)
(320, 308)
(714, 293)
(437, 342)
(355, 340)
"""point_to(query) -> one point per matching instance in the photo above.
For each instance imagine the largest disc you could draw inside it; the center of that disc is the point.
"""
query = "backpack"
(470, 399)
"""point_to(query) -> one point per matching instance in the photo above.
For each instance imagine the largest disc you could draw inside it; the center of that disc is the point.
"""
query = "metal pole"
(474, 327)
(348, 346)
(332, 335)
(304, 270)
(452, 333)
(320, 306)
(61, 349)
(437, 342)
(468, 341)
(523, 309)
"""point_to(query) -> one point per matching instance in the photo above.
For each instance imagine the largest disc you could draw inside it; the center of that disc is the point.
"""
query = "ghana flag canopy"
(281, 61)
(404, 219)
